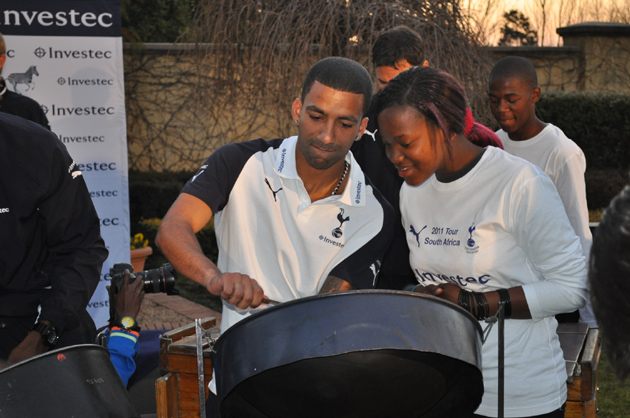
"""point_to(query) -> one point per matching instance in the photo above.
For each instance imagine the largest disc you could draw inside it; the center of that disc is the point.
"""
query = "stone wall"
(170, 127)
(169, 130)
(558, 69)
(595, 57)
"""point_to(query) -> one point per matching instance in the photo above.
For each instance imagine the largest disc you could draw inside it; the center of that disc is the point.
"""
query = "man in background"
(513, 92)
(15, 103)
(51, 251)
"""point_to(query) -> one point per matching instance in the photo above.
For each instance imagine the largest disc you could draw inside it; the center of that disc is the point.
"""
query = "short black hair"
(397, 44)
(341, 74)
(609, 281)
(515, 67)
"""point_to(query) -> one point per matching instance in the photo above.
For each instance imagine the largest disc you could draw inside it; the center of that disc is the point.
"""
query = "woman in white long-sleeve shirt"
(484, 227)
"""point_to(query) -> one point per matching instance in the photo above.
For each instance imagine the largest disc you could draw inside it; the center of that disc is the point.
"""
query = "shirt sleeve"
(218, 174)
(572, 190)
(542, 229)
(76, 250)
(123, 347)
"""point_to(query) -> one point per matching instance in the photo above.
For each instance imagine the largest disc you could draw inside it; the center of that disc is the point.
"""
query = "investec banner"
(67, 55)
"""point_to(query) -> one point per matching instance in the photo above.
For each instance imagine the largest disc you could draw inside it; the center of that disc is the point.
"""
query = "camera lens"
(159, 280)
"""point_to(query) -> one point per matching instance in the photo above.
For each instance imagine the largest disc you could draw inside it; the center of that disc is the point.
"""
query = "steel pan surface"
(360, 353)
(75, 381)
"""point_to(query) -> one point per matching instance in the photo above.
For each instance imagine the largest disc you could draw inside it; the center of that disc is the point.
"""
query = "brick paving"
(186, 310)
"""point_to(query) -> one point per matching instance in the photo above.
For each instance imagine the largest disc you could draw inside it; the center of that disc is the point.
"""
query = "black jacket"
(22, 106)
(369, 152)
(51, 250)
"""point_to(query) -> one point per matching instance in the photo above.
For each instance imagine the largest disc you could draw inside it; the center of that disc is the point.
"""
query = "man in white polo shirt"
(294, 217)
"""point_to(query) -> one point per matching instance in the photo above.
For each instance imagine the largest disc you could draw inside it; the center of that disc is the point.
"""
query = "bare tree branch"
(249, 60)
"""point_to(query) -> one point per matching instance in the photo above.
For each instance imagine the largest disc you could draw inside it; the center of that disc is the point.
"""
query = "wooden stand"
(581, 347)
(177, 392)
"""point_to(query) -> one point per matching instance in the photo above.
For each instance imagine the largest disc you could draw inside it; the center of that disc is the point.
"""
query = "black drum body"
(76, 381)
(352, 354)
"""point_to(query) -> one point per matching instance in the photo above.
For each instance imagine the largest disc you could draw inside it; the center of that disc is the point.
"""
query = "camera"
(158, 280)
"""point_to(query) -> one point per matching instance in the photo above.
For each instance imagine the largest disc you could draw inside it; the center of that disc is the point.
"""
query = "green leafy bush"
(598, 122)
(151, 194)
(603, 185)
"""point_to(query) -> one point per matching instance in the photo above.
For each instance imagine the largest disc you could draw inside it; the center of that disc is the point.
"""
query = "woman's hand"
(446, 291)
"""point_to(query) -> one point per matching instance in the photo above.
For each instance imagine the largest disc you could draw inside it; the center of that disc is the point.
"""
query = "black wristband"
(483, 309)
(463, 300)
(506, 301)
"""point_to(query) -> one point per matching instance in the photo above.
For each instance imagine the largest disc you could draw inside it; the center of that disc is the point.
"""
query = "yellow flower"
(138, 241)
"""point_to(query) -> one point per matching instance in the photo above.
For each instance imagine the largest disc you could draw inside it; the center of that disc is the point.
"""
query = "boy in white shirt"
(513, 93)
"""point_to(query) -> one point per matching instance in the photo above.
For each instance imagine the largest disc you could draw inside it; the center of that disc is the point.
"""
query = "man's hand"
(129, 298)
(31, 346)
(237, 289)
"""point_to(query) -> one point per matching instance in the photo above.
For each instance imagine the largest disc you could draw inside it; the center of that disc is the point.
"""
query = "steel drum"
(76, 381)
(352, 354)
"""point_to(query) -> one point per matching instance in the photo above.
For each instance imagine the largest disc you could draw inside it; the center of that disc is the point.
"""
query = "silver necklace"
(343, 176)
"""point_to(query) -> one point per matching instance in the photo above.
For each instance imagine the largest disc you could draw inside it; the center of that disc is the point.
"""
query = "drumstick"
(270, 301)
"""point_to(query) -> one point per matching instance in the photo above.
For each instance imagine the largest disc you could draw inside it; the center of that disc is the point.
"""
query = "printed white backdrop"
(76, 50)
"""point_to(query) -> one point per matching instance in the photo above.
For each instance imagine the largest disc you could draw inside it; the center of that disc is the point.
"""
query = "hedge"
(151, 194)
(599, 123)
